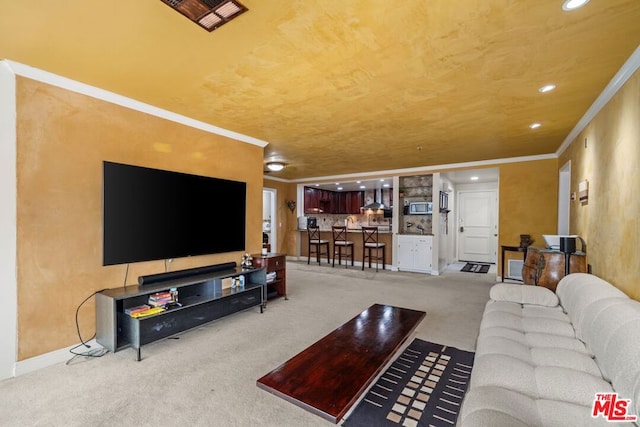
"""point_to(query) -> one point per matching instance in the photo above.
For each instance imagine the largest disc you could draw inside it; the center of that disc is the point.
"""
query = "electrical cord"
(91, 353)
(126, 275)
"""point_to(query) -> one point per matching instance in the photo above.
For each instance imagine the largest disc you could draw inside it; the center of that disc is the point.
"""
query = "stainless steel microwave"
(420, 208)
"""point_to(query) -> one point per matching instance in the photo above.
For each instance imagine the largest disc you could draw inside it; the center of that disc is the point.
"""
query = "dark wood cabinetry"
(274, 264)
(544, 267)
(332, 202)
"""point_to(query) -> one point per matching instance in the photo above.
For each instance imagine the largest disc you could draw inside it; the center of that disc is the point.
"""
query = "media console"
(202, 294)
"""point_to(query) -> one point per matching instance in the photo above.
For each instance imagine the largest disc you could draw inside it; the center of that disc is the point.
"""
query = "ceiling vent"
(209, 14)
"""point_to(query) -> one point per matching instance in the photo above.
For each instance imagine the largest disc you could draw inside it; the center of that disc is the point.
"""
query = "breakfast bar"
(354, 235)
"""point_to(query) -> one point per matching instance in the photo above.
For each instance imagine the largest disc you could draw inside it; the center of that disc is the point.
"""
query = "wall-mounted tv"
(152, 214)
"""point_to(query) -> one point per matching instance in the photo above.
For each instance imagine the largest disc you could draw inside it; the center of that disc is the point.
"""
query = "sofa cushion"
(526, 319)
(615, 341)
(538, 382)
(500, 407)
(538, 355)
(523, 294)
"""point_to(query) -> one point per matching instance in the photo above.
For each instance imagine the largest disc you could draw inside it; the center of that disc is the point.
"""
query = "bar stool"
(317, 243)
(370, 242)
(339, 242)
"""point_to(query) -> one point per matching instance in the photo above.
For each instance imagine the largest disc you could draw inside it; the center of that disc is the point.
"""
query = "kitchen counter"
(354, 235)
(381, 230)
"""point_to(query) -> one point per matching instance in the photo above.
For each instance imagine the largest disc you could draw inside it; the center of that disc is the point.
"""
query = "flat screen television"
(152, 214)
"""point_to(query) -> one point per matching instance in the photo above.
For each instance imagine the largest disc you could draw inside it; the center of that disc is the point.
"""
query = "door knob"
(461, 229)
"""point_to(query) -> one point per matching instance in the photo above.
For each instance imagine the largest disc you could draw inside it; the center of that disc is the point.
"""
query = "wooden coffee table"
(329, 376)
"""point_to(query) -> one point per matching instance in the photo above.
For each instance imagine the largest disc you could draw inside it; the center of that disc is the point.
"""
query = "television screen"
(151, 214)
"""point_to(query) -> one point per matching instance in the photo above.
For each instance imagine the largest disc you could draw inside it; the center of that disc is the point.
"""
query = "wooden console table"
(274, 263)
(329, 376)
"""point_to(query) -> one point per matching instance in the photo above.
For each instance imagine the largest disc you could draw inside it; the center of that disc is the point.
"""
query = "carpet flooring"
(472, 267)
(207, 377)
(424, 386)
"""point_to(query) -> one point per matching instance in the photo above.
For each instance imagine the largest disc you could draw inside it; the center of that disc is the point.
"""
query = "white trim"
(273, 178)
(94, 92)
(564, 198)
(49, 359)
(8, 224)
(621, 77)
(434, 168)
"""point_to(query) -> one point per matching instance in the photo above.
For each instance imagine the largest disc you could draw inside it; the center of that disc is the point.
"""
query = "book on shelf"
(149, 312)
(137, 309)
(160, 296)
(160, 303)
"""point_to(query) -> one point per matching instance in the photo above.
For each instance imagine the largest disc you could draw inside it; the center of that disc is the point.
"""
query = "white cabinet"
(414, 253)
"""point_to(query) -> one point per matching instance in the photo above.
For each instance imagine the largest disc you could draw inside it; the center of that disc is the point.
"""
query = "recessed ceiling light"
(535, 125)
(339, 188)
(474, 178)
(547, 88)
(275, 166)
(385, 185)
(337, 183)
(573, 4)
(363, 187)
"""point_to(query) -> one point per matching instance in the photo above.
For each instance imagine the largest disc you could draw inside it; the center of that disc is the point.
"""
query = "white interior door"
(477, 226)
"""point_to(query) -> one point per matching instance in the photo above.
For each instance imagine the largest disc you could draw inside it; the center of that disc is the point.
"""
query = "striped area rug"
(423, 387)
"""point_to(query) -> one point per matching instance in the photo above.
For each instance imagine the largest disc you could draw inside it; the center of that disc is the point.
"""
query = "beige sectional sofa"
(542, 357)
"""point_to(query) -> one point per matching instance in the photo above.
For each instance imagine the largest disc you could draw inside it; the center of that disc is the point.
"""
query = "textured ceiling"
(342, 87)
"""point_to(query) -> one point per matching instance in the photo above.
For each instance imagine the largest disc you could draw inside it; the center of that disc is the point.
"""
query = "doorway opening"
(564, 198)
(269, 219)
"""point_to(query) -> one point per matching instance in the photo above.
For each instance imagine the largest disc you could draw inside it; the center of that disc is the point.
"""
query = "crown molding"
(104, 95)
(626, 71)
(430, 169)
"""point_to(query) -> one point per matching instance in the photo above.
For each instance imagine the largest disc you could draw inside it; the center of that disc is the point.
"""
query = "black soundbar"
(173, 275)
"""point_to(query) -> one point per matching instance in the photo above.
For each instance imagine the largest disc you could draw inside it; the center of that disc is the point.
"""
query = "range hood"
(375, 205)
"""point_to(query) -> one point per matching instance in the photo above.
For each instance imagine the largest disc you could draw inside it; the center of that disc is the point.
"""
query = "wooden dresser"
(545, 267)
(274, 263)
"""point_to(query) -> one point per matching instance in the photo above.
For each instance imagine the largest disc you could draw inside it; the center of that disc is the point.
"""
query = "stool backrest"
(314, 233)
(339, 233)
(369, 235)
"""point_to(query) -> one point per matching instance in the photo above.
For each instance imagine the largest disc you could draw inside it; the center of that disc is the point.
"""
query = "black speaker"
(567, 245)
(152, 279)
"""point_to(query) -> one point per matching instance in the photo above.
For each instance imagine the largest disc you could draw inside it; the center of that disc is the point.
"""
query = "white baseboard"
(48, 359)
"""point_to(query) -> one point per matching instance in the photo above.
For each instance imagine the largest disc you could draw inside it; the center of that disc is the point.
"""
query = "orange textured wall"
(62, 139)
(287, 220)
(610, 221)
(528, 203)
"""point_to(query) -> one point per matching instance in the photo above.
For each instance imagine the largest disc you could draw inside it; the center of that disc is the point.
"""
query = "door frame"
(474, 188)
(564, 198)
(273, 197)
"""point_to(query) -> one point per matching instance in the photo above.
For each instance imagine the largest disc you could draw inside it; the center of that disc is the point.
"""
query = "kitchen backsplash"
(325, 221)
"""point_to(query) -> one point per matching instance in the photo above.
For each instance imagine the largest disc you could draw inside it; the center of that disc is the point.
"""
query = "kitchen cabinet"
(332, 202)
(311, 200)
(355, 200)
(414, 253)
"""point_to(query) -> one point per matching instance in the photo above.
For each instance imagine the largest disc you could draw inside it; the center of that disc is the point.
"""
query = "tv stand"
(202, 296)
